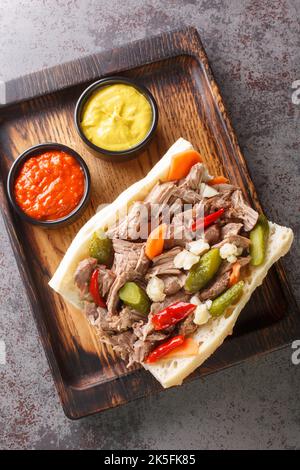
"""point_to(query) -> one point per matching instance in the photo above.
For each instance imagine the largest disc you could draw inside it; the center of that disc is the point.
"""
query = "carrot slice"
(155, 241)
(235, 274)
(188, 348)
(182, 163)
(218, 180)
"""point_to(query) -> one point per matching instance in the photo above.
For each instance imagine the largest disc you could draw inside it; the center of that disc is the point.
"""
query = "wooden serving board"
(39, 108)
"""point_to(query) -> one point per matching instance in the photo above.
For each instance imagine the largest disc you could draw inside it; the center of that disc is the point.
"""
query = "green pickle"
(202, 272)
(229, 297)
(259, 237)
(135, 297)
(100, 247)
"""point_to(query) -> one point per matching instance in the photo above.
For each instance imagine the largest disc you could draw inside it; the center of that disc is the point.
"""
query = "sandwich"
(164, 271)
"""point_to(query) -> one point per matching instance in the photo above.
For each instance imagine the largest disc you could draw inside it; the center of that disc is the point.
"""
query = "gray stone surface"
(253, 47)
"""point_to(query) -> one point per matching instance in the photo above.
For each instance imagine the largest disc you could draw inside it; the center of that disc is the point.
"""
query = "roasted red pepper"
(164, 348)
(207, 221)
(94, 289)
(172, 314)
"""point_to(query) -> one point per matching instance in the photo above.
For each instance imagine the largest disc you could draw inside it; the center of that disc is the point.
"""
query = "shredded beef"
(120, 322)
(122, 343)
(212, 234)
(164, 264)
(187, 326)
(194, 177)
(188, 196)
(83, 275)
(161, 193)
(105, 279)
(238, 240)
(90, 309)
(129, 255)
(113, 295)
(244, 211)
(170, 299)
(226, 266)
(216, 287)
(231, 229)
(173, 283)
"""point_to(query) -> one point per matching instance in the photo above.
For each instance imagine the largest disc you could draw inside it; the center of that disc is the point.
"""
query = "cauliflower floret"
(185, 260)
(155, 289)
(208, 191)
(201, 314)
(230, 252)
(198, 247)
(195, 300)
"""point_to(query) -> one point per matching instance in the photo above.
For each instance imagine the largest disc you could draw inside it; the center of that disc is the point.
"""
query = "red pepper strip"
(164, 348)
(207, 221)
(172, 315)
(94, 289)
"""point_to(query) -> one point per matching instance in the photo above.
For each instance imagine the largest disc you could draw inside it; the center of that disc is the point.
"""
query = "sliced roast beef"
(225, 187)
(238, 240)
(113, 295)
(83, 275)
(216, 287)
(194, 177)
(129, 255)
(120, 322)
(173, 283)
(212, 234)
(187, 326)
(145, 330)
(164, 264)
(188, 196)
(105, 279)
(161, 193)
(142, 330)
(90, 309)
(243, 210)
(220, 201)
(170, 299)
(226, 266)
(140, 350)
(122, 343)
(231, 229)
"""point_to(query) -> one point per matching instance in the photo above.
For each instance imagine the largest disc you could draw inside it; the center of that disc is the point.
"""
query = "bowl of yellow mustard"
(116, 118)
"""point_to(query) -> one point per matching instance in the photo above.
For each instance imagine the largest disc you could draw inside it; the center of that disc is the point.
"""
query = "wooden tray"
(90, 378)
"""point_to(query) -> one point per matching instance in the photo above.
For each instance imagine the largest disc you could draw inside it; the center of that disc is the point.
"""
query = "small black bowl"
(109, 155)
(37, 150)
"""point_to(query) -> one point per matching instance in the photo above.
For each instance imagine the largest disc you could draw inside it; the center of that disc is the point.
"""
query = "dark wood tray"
(39, 107)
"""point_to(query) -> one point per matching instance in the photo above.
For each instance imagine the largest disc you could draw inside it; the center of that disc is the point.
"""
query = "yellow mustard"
(116, 117)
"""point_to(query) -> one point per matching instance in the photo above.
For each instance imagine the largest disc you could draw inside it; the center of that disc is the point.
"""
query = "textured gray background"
(253, 47)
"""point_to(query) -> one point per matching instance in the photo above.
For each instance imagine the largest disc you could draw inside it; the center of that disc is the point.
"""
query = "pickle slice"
(229, 297)
(202, 272)
(135, 297)
(100, 247)
(259, 238)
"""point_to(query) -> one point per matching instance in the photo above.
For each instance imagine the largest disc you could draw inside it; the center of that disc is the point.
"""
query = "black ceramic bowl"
(37, 150)
(116, 156)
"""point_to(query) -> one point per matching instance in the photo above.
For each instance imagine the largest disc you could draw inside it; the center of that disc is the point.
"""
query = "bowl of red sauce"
(49, 185)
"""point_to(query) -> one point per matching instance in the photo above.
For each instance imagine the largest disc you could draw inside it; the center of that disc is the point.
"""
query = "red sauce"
(49, 186)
